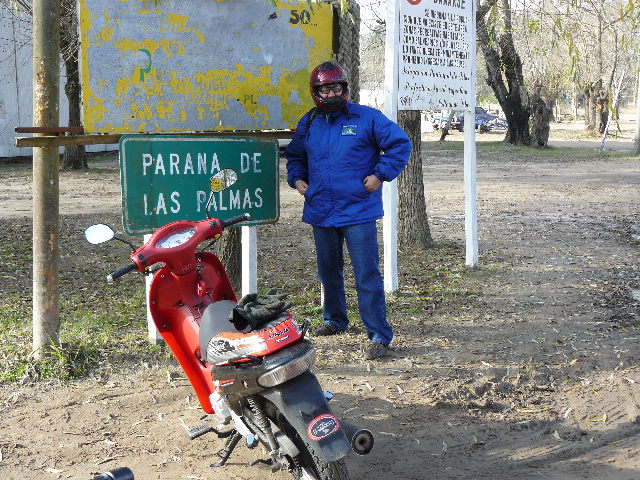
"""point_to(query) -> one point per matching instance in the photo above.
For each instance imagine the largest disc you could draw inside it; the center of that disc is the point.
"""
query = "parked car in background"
(485, 121)
(437, 120)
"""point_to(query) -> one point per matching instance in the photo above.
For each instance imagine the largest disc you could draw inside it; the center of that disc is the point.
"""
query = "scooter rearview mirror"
(219, 182)
(99, 233)
(223, 180)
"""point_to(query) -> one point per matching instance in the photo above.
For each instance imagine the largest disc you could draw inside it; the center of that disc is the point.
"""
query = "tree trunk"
(592, 91)
(597, 106)
(347, 44)
(504, 74)
(447, 127)
(75, 157)
(602, 112)
(541, 116)
(587, 108)
(413, 224)
(229, 250)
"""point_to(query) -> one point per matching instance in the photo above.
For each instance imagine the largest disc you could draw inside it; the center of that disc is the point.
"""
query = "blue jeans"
(362, 243)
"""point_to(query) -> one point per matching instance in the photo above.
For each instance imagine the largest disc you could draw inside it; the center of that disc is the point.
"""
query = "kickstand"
(228, 449)
(268, 462)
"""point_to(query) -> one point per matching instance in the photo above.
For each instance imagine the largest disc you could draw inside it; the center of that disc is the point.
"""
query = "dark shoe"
(325, 330)
(376, 350)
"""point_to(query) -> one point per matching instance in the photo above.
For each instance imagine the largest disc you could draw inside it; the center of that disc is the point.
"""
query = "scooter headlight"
(288, 371)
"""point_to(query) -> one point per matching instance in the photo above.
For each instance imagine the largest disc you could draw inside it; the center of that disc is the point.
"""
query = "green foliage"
(435, 277)
(493, 148)
(532, 26)
(493, 20)
(431, 280)
(96, 334)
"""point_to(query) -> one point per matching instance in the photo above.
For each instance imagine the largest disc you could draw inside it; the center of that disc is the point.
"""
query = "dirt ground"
(536, 375)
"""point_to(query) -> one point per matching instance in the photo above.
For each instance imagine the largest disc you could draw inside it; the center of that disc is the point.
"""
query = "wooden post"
(46, 252)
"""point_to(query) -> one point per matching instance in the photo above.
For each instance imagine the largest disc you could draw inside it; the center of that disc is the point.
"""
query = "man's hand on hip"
(301, 186)
(371, 183)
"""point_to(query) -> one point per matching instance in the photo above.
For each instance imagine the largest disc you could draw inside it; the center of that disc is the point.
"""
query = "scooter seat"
(215, 321)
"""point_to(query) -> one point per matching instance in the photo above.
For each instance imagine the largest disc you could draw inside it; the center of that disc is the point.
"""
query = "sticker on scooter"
(322, 426)
(220, 350)
(219, 347)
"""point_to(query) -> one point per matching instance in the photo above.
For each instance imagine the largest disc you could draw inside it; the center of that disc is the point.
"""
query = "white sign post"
(390, 189)
(152, 331)
(249, 238)
(430, 65)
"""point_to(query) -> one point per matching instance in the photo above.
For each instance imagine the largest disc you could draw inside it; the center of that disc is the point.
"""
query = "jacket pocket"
(316, 205)
(353, 191)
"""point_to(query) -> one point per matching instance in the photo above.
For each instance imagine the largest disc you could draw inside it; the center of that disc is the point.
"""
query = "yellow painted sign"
(152, 66)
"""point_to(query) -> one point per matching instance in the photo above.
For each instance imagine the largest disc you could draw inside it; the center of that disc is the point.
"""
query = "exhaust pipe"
(361, 439)
(122, 473)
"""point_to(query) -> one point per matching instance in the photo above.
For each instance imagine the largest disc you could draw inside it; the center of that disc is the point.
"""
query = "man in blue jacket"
(338, 158)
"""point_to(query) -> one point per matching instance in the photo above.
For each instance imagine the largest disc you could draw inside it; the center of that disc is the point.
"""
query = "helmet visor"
(334, 87)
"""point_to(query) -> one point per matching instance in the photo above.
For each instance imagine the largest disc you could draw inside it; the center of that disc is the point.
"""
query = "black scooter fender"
(302, 402)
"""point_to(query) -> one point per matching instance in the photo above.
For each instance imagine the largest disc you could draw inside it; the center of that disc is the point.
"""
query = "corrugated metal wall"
(16, 81)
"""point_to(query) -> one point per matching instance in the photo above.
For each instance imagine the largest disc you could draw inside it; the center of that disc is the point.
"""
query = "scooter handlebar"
(234, 220)
(120, 272)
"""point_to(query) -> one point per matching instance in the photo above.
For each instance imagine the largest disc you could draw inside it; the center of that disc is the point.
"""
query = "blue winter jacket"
(334, 153)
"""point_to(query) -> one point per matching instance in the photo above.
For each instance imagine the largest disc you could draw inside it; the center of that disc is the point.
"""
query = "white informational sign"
(430, 64)
(435, 60)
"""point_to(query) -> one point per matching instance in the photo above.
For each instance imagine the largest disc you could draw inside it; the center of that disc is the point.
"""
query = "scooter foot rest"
(199, 430)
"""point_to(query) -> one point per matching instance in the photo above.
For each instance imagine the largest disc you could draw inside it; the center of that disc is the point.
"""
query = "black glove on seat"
(255, 310)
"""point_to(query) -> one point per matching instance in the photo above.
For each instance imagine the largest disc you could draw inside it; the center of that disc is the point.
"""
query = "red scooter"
(254, 375)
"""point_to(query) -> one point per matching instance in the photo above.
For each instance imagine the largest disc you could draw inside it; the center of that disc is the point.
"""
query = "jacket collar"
(333, 116)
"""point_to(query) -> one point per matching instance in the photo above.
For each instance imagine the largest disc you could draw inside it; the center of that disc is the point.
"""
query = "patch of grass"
(307, 304)
(103, 169)
(97, 333)
(550, 153)
(104, 164)
(430, 280)
(491, 148)
(103, 326)
(447, 145)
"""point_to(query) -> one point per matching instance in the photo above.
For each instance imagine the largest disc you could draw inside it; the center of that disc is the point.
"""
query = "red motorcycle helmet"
(328, 73)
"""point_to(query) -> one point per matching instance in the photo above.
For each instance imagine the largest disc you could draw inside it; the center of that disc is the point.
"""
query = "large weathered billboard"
(194, 65)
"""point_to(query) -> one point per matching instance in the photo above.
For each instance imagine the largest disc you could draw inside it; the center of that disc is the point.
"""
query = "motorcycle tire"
(307, 465)
(311, 467)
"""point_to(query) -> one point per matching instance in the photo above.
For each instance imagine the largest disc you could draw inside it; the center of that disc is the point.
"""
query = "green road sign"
(166, 178)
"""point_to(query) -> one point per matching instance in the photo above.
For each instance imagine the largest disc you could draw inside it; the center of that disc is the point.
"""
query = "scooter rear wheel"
(308, 465)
